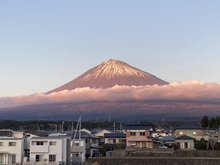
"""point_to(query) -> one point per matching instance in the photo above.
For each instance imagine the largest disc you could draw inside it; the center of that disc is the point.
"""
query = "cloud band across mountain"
(191, 90)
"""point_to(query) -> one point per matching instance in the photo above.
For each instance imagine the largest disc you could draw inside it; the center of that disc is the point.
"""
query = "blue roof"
(167, 138)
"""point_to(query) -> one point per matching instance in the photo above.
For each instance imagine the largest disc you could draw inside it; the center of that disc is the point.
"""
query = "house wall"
(78, 151)
(185, 144)
(114, 140)
(138, 138)
(194, 133)
(58, 148)
(7, 150)
(156, 134)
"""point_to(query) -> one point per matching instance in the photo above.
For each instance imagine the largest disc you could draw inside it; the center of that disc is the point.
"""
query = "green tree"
(217, 122)
(212, 123)
(205, 122)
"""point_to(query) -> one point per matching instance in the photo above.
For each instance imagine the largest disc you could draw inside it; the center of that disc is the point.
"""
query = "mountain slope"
(109, 74)
(123, 110)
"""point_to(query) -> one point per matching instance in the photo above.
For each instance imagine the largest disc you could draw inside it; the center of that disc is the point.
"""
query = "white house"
(49, 149)
(11, 147)
(77, 151)
(115, 138)
(101, 133)
(159, 133)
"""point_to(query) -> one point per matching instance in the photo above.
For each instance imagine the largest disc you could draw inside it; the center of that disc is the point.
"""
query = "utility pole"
(62, 126)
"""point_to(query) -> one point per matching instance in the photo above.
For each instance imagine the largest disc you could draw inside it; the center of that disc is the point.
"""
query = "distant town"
(109, 142)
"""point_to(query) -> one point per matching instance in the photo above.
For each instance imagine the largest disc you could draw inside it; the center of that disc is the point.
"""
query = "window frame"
(52, 158)
(12, 144)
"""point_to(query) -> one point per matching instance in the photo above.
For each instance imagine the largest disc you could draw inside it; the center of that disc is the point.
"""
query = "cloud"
(191, 90)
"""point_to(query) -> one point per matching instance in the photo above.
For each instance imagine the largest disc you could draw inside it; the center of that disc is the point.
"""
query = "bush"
(217, 146)
(200, 145)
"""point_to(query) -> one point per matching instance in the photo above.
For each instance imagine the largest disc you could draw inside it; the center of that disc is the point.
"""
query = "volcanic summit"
(109, 74)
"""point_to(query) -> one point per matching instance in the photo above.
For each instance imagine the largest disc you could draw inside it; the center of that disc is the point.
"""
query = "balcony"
(39, 148)
(77, 149)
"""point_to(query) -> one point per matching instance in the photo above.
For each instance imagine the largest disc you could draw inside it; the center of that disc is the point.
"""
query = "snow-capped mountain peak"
(111, 73)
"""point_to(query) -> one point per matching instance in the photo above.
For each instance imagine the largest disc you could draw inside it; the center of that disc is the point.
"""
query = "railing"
(39, 148)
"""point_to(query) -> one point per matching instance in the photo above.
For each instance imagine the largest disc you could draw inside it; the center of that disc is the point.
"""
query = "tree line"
(210, 122)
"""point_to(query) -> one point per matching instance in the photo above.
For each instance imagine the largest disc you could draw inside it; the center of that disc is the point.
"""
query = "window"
(76, 143)
(182, 133)
(194, 133)
(52, 158)
(39, 158)
(1, 158)
(40, 143)
(76, 155)
(142, 133)
(11, 159)
(52, 143)
(94, 141)
(132, 133)
(12, 144)
(1, 143)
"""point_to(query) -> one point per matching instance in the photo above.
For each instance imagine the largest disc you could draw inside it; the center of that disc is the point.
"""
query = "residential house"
(165, 141)
(49, 149)
(77, 151)
(159, 133)
(91, 142)
(115, 138)
(27, 145)
(193, 131)
(113, 141)
(139, 136)
(11, 147)
(185, 142)
(100, 133)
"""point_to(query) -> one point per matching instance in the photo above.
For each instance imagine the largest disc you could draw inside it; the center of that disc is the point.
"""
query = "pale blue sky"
(44, 44)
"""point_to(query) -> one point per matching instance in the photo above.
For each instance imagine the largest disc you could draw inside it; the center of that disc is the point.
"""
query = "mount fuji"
(106, 77)
(109, 74)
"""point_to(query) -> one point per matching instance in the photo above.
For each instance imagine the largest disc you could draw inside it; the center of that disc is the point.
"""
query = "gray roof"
(115, 135)
(184, 137)
(50, 137)
(6, 132)
(189, 126)
(84, 135)
(10, 138)
(167, 138)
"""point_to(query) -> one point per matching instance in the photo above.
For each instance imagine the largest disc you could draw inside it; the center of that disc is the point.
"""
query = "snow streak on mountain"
(109, 74)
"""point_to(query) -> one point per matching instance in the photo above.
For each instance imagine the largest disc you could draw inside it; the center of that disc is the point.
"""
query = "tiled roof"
(189, 126)
(114, 135)
(183, 137)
